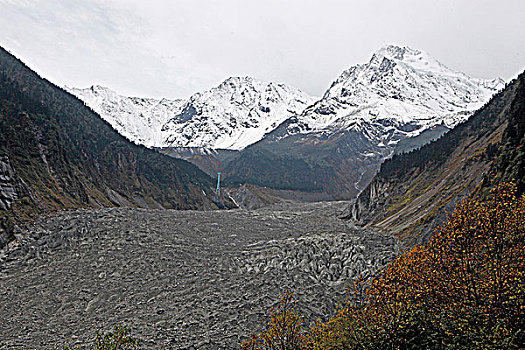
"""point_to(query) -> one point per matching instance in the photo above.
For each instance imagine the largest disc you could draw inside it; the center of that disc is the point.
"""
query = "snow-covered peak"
(406, 54)
(234, 114)
(398, 93)
(396, 52)
(139, 119)
(399, 85)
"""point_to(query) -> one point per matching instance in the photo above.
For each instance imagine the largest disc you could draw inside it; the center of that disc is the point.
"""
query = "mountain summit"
(235, 114)
(232, 115)
(400, 87)
(398, 101)
(399, 93)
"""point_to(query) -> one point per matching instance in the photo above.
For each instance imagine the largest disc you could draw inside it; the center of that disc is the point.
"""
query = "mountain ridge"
(398, 100)
(403, 86)
(232, 115)
(136, 118)
(398, 86)
(336, 145)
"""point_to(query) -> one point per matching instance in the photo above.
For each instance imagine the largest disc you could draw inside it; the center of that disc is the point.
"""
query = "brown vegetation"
(464, 289)
(284, 331)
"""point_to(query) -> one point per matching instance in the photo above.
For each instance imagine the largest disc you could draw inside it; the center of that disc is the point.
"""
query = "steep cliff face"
(413, 192)
(11, 189)
(372, 198)
(8, 192)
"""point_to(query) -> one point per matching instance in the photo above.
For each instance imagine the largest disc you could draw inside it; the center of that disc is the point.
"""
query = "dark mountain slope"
(331, 165)
(413, 192)
(57, 153)
(510, 161)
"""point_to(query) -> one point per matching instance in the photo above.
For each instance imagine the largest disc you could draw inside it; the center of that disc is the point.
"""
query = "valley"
(254, 176)
(99, 228)
(178, 279)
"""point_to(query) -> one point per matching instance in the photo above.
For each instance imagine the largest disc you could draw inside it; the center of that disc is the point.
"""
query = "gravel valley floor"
(178, 279)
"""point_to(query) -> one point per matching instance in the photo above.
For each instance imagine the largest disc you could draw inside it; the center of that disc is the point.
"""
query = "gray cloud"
(174, 48)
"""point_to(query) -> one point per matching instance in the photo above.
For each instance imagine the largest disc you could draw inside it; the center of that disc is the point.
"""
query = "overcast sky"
(177, 47)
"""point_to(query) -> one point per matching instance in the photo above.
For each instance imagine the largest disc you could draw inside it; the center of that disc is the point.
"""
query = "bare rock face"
(178, 279)
(8, 192)
(251, 197)
(369, 202)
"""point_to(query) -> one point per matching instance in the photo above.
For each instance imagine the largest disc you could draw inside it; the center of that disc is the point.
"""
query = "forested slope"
(57, 153)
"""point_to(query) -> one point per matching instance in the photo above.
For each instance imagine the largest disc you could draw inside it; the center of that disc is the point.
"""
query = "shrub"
(284, 330)
(117, 339)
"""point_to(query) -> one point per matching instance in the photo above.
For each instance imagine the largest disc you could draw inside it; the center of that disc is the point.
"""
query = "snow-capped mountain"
(138, 119)
(400, 92)
(398, 101)
(233, 115)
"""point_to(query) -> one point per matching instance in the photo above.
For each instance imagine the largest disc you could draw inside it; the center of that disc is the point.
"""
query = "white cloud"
(174, 48)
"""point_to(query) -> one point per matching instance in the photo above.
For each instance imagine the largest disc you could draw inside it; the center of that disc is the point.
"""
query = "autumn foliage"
(284, 331)
(464, 289)
(117, 339)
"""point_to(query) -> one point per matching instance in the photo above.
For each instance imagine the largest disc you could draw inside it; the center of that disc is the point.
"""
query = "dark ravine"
(179, 279)
(412, 193)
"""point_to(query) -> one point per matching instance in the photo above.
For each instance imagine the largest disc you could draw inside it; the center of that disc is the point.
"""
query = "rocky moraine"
(178, 279)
